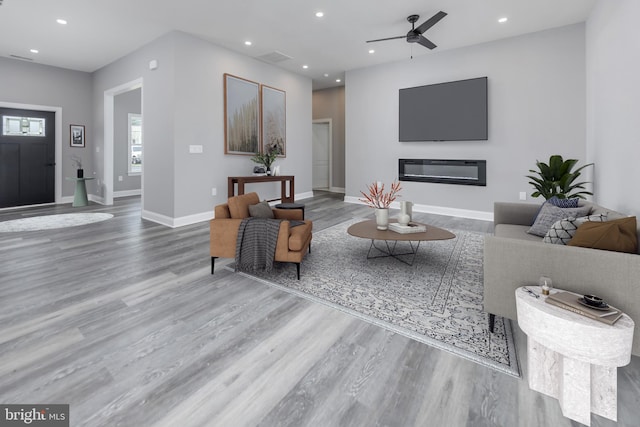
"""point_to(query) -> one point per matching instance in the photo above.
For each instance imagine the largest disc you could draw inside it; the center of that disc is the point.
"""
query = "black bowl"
(593, 300)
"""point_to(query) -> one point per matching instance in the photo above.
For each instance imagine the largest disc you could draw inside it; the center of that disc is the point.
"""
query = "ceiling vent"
(274, 57)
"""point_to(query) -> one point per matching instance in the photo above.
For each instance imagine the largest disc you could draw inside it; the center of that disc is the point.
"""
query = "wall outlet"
(214, 191)
(523, 195)
(120, 178)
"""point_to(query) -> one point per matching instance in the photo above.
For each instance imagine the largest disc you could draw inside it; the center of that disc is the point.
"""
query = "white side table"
(573, 358)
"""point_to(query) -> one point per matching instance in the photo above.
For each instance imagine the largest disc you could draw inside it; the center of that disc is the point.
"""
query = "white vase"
(404, 219)
(382, 219)
(406, 208)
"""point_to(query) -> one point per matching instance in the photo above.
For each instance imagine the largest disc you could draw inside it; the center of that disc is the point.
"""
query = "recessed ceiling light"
(502, 20)
(33, 50)
(248, 43)
(61, 21)
(326, 74)
(319, 14)
(305, 66)
(338, 80)
(372, 51)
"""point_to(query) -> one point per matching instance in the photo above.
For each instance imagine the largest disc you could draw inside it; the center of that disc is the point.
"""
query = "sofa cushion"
(261, 210)
(564, 203)
(514, 231)
(298, 236)
(618, 235)
(239, 205)
(562, 231)
(550, 214)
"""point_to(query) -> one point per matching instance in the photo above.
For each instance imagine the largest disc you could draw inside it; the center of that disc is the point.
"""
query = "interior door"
(321, 141)
(27, 157)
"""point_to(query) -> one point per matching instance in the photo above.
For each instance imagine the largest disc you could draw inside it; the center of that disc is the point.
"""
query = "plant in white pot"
(380, 201)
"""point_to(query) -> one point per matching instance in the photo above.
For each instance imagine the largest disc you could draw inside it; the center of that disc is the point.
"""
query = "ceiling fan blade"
(388, 38)
(426, 42)
(430, 22)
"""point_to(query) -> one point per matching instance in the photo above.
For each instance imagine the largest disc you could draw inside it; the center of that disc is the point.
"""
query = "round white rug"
(49, 222)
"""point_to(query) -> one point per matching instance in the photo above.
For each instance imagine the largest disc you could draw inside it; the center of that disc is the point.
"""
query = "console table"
(573, 358)
(283, 179)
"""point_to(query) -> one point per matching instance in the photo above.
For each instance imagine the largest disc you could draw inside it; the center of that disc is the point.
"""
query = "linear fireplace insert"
(465, 172)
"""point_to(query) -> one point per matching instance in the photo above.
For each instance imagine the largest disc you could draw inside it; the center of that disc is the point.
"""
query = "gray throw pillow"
(549, 214)
(261, 210)
(561, 232)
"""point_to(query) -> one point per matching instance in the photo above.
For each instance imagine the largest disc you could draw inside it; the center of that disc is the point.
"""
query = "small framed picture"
(77, 136)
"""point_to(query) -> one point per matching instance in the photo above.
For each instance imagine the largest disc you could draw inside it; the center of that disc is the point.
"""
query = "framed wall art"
(274, 123)
(77, 138)
(241, 116)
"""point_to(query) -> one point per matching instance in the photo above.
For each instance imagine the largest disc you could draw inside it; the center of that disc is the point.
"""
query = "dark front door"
(27, 157)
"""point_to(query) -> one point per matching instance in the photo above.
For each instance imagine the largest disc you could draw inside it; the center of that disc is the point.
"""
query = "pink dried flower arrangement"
(377, 198)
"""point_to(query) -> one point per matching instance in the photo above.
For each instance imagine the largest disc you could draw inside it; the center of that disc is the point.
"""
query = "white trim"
(58, 140)
(177, 222)
(438, 210)
(330, 123)
(109, 95)
(301, 196)
(337, 190)
(127, 193)
(13, 208)
(96, 199)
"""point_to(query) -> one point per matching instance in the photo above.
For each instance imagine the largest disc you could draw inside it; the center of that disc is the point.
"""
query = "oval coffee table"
(367, 230)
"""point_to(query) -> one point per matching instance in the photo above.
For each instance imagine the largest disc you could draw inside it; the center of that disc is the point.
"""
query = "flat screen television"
(452, 111)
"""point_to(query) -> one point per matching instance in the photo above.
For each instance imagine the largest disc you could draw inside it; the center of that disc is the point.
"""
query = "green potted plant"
(266, 159)
(557, 179)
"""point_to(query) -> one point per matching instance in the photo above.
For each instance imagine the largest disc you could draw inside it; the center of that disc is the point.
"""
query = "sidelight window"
(23, 126)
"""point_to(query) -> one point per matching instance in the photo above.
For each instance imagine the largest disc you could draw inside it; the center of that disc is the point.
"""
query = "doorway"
(27, 157)
(321, 154)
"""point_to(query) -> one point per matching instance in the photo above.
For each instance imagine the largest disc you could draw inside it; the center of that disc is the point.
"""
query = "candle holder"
(546, 284)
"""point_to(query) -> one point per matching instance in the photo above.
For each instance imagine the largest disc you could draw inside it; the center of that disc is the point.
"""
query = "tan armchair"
(293, 242)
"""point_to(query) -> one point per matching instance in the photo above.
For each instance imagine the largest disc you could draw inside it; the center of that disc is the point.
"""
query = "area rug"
(437, 300)
(48, 222)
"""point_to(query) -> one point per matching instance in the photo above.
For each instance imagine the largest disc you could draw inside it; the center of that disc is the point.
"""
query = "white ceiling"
(99, 32)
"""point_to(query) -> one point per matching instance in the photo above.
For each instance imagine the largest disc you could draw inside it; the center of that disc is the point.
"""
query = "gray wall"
(536, 109)
(35, 84)
(123, 105)
(182, 103)
(613, 103)
(329, 104)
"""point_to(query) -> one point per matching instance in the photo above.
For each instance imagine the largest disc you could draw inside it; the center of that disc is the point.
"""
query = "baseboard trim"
(337, 190)
(301, 196)
(176, 222)
(437, 210)
(127, 193)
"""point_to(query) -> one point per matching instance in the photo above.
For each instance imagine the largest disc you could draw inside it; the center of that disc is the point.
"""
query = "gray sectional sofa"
(514, 258)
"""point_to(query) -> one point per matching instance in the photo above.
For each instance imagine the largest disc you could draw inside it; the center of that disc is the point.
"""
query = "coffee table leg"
(390, 251)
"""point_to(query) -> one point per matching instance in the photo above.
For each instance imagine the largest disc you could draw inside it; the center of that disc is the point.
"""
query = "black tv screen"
(452, 111)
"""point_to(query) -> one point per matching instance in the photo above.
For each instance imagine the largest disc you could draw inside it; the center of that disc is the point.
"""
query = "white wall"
(182, 105)
(613, 99)
(536, 109)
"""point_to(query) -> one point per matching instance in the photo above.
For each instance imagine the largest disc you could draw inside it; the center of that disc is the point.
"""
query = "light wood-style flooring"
(123, 321)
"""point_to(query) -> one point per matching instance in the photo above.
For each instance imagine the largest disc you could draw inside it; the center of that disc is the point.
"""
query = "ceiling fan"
(415, 34)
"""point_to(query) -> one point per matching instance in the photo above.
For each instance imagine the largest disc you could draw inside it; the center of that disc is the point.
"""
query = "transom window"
(23, 126)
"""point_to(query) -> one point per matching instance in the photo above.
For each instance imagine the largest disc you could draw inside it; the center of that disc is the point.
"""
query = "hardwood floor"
(123, 321)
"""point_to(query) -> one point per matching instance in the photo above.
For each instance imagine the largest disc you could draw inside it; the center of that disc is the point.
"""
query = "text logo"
(37, 415)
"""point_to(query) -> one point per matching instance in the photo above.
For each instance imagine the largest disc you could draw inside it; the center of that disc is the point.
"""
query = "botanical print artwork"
(274, 126)
(242, 131)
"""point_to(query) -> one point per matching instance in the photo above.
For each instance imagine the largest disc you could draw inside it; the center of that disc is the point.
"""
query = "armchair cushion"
(261, 210)
(239, 205)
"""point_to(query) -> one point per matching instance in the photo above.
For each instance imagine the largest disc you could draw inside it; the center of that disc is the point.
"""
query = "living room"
(567, 90)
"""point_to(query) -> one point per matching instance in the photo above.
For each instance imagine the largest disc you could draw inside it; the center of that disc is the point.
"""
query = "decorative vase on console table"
(382, 218)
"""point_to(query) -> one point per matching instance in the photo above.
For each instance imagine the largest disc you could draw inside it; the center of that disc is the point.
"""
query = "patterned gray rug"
(437, 301)
(49, 222)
